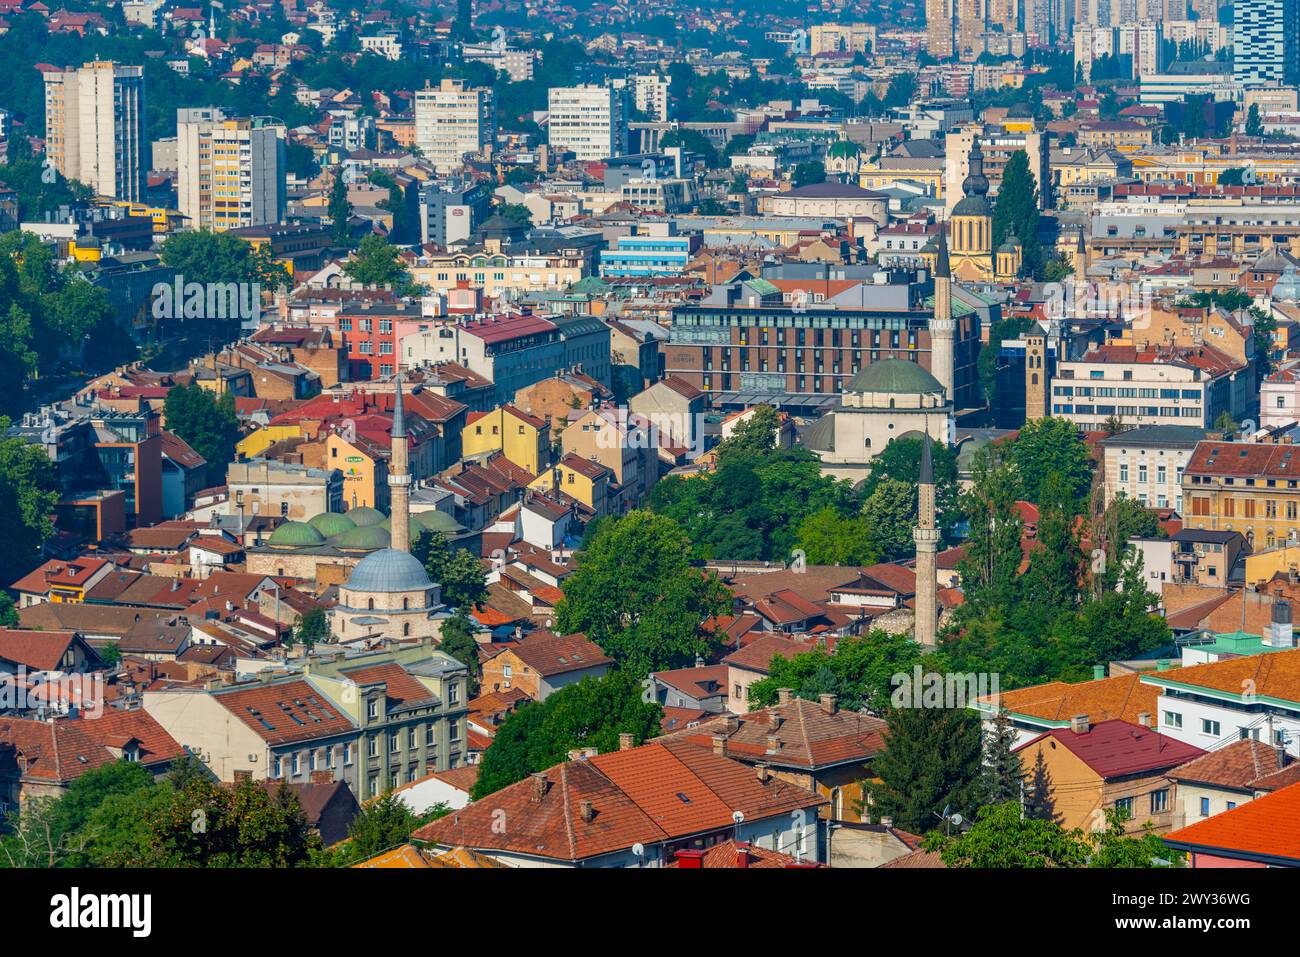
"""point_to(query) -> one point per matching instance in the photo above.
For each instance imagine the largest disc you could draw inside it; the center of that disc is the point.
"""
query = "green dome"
(296, 535)
(413, 528)
(436, 521)
(893, 375)
(843, 149)
(330, 524)
(362, 538)
(364, 515)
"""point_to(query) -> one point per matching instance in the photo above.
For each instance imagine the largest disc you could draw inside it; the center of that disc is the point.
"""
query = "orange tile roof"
(1266, 829)
(1123, 696)
(260, 707)
(1275, 675)
(657, 792)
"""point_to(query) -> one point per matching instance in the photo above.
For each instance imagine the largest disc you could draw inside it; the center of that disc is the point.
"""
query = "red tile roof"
(284, 712)
(38, 650)
(1115, 748)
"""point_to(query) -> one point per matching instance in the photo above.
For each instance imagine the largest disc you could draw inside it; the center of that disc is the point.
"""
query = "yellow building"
(522, 438)
(970, 232)
(1246, 487)
(365, 473)
(255, 443)
(590, 483)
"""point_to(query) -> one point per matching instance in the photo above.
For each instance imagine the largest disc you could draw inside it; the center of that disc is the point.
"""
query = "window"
(1125, 807)
(1160, 801)
(372, 708)
(295, 764)
(372, 747)
(453, 693)
(394, 742)
(347, 754)
(1173, 719)
(1205, 807)
(453, 729)
(1209, 727)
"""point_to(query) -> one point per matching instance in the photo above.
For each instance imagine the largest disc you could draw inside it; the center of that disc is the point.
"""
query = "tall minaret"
(926, 537)
(942, 328)
(399, 480)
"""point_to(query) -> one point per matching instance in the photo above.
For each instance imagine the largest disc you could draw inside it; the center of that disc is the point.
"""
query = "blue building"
(640, 256)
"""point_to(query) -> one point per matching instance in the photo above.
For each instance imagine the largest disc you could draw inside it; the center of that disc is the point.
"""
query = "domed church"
(389, 594)
(970, 228)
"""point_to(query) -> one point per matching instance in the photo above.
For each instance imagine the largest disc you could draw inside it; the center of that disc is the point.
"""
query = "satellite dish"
(956, 820)
(638, 849)
(738, 817)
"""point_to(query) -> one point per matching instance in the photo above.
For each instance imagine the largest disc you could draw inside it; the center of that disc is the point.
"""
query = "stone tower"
(399, 480)
(926, 537)
(1035, 376)
(942, 328)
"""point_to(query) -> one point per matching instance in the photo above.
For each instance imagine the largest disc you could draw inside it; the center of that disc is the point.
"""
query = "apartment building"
(1247, 487)
(453, 120)
(1146, 464)
(1147, 386)
(94, 123)
(231, 170)
(589, 120)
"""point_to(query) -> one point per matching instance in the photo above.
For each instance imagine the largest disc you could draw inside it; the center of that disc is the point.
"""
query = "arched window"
(1034, 379)
(406, 604)
(370, 604)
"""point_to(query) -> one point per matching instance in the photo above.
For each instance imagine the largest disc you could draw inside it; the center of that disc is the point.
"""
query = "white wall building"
(589, 120)
(230, 171)
(94, 119)
(451, 121)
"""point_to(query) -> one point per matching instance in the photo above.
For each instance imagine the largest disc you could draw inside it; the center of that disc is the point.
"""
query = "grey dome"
(893, 375)
(389, 570)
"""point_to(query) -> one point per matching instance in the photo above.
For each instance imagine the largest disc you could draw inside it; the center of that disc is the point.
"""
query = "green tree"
(340, 212)
(1254, 125)
(636, 595)
(457, 570)
(860, 673)
(1002, 837)
(890, 515)
(381, 825)
(206, 422)
(900, 461)
(1040, 804)
(754, 436)
(28, 493)
(1003, 776)
(457, 639)
(828, 538)
(931, 761)
(311, 628)
(808, 173)
(203, 256)
(377, 263)
(1016, 210)
(989, 572)
(1051, 446)
(589, 714)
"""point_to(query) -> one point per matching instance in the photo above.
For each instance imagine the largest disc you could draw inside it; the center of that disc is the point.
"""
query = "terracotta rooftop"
(1236, 766)
(1123, 697)
(1116, 748)
(658, 792)
(1266, 829)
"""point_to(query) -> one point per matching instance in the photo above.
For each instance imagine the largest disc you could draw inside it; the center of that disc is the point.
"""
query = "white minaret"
(942, 328)
(399, 480)
(926, 537)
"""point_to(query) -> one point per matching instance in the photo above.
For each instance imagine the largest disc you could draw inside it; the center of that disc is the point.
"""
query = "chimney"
(243, 775)
(626, 742)
(587, 810)
(719, 744)
(773, 743)
(540, 786)
(829, 703)
(689, 858)
(322, 777)
(742, 854)
(582, 754)
(762, 772)
(783, 695)
(1079, 724)
(1098, 672)
(1144, 719)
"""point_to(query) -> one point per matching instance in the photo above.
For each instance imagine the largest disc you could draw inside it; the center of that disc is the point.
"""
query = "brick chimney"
(587, 811)
(322, 777)
(1079, 724)
(762, 772)
(1144, 719)
(742, 854)
(540, 786)
(773, 743)
(626, 742)
(783, 695)
(719, 744)
(829, 703)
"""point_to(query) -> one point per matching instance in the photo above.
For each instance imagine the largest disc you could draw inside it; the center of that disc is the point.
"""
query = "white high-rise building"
(94, 118)
(650, 94)
(589, 120)
(452, 121)
(230, 171)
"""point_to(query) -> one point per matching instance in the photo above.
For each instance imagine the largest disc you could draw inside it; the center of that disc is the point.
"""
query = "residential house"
(542, 663)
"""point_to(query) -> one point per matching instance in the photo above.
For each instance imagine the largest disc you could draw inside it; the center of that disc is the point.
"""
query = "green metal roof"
(296, 535)
(893, 375)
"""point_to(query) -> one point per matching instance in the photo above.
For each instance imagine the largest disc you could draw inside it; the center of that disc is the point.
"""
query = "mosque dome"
(295, 535)
(389, 570)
